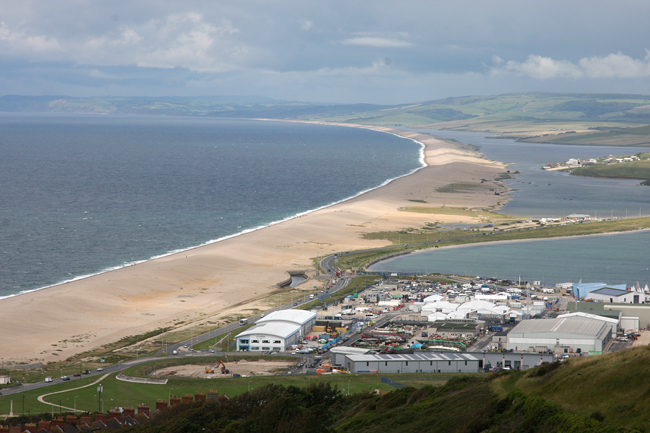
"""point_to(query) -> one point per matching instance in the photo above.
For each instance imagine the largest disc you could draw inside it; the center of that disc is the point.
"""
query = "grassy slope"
(607, 119)
(628, 170)
(603, 393)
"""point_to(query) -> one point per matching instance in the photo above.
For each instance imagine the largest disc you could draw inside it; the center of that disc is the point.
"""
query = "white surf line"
(41, 398)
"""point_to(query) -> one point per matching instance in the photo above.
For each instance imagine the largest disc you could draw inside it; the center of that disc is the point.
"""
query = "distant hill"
(603, 119)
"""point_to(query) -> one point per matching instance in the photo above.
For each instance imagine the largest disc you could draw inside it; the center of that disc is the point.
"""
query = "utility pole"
(100, 388)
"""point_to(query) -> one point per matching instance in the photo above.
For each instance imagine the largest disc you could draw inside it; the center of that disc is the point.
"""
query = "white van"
(48, 379)
(311, 296)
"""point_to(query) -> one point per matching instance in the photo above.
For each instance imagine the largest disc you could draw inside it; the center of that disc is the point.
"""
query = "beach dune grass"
(443, 238)
(481, 214)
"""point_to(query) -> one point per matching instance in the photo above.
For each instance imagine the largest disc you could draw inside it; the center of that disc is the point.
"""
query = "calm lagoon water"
(614, 259)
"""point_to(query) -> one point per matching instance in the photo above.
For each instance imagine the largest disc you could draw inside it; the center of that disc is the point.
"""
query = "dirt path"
(41, 398)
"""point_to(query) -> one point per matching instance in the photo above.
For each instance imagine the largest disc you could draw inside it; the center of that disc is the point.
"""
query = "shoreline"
(509, 241)
(215, 281)
(421, 159)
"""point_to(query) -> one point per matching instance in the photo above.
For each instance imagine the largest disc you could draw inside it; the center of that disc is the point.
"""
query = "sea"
(536, 193)
(84, 194)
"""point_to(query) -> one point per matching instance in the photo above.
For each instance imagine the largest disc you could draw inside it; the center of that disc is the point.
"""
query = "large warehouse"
(278, 331)
(571, 334)
(305, 319)
(415, 363)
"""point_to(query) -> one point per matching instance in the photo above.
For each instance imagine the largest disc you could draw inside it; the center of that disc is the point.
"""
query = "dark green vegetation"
(428, 238)
(607, 393)
(628, 170)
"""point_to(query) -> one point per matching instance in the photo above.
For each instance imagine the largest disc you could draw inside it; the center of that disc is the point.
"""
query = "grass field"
(120, 393)
(627, 170)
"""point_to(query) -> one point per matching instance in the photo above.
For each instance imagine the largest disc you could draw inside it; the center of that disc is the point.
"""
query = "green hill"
(562, 118)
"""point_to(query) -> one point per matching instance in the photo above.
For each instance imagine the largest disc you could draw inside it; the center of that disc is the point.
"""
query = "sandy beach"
(233, 275)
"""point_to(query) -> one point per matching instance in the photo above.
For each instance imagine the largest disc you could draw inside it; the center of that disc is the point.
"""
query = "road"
(114, 368)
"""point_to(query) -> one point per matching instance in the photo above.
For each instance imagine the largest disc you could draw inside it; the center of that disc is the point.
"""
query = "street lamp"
(100, 388)
(169, 395)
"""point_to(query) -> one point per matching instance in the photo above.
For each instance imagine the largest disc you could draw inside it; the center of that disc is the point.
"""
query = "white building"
(415, 363)
(277, 331)
(305, 319)
(570, 334)
(611, 295)
(611, 322)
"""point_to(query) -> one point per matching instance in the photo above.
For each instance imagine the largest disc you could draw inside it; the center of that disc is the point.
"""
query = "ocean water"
(614, 259)
(84, 194)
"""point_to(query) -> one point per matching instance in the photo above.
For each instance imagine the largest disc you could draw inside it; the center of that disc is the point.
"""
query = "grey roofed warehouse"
(563, 335)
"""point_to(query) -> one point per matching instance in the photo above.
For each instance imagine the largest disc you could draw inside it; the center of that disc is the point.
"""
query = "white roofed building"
(561, 335)
(414, 363)
(277, 331)
(305, 319)
(613, 323)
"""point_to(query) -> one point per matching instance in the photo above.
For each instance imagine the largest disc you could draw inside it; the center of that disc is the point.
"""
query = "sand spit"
(225, 277)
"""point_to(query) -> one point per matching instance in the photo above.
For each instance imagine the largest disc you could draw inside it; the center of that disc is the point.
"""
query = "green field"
(120, 393)
(627, 170)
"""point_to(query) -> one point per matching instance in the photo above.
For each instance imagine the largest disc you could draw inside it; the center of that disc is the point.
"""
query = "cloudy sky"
(347, 51)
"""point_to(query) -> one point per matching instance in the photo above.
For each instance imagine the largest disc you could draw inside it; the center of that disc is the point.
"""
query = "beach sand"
(234, 275)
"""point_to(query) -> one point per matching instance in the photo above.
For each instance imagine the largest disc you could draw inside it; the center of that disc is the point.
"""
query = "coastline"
(243, 232)
(231, 274)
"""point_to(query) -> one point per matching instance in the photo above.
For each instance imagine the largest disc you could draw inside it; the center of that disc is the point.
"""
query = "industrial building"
(582, 290)
(305, 319)
(440, 362)
(611, 321)
(426, 362)
(619, 296)
(339, 353)
(571, 334)
(632, 317)
(276, 332)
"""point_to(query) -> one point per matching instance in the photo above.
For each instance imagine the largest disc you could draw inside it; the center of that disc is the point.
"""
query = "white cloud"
(185, 40)
(21, 42)
(377, 42)
(616, 65)
(181, 40)
(306, 25)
